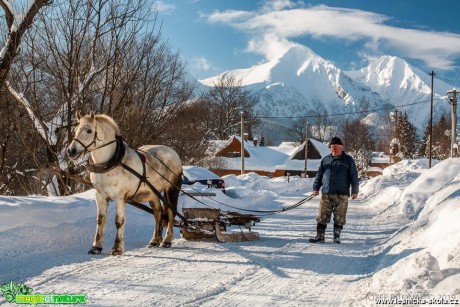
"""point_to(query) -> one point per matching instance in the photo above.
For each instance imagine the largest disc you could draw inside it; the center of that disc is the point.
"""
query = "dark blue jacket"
(336, 174)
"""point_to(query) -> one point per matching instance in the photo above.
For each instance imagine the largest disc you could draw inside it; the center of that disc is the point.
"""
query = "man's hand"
(314, 193)
(354, 195)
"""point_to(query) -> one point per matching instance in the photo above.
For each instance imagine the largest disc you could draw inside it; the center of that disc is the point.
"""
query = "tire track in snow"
(282, 268)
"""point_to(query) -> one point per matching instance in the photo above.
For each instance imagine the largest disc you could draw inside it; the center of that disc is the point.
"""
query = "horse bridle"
(86, 147)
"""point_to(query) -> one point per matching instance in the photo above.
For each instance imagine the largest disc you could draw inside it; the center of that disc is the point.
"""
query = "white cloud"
(202, 64)
(230, 17)
(276, 5)
(270, 45)
(272, 31)
(163, 7)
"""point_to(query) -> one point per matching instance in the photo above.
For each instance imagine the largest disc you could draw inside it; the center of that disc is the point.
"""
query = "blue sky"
(218, 35)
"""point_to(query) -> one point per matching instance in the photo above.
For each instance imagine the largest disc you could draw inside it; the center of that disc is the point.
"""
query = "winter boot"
(320, 231)
(337, 231)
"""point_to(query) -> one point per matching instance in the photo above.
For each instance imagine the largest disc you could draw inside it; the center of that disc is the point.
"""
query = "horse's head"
(85, 136)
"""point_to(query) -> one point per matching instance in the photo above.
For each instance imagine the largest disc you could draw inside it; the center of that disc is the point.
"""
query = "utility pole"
(242, 143)
(452, 95)
(431, 119)
(306, 151)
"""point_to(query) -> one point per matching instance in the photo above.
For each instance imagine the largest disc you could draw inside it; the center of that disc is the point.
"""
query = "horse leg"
(172, 196)
(119, 246)
(158, 220)
(102, 205)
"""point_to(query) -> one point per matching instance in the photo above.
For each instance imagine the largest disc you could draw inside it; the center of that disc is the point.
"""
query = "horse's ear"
(92, 115)
(78, 115)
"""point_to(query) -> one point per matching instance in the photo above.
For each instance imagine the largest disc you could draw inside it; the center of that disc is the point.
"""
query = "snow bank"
(421, 260)
(44, 211)
(415, 195)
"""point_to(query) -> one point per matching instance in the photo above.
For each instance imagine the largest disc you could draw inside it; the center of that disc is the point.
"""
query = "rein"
(116, 160)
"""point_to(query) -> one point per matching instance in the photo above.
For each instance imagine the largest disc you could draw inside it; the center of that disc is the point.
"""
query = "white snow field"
(401, 244)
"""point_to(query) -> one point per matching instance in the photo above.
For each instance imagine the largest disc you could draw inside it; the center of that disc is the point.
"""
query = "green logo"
(21, 294)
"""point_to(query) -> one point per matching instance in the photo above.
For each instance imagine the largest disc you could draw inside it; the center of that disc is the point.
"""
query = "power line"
(351, 113)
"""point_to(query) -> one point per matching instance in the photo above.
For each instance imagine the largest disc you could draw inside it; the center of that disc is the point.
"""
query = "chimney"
(246, 135)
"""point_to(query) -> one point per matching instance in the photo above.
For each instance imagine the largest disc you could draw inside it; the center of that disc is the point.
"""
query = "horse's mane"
(107, 120)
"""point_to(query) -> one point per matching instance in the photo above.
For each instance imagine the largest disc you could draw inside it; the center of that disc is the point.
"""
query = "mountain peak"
(299, 51)
(292, 63)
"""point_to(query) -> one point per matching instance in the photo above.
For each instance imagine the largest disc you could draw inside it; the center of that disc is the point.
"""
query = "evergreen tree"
(424, 149)
(407, 135)
(441, 141)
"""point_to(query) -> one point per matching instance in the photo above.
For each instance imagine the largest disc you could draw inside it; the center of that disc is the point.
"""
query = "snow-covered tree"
(441, 141)
(407, 135)
(18, 20)
(105, 56)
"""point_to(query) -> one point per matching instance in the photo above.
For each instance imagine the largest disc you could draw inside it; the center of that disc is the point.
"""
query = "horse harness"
(116, 160)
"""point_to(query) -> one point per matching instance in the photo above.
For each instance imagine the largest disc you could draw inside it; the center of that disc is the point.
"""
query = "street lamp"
(452, 97)
(305, 171)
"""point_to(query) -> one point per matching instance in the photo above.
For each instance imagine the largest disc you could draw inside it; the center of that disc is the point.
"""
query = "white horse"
(109, 164)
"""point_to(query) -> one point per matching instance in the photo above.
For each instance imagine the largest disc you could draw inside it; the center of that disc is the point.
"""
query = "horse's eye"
(89, 131)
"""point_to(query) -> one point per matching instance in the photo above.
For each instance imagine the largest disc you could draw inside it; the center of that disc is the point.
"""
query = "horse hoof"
(116, 252)
(154, 244)
(95, 250)
(166, 244)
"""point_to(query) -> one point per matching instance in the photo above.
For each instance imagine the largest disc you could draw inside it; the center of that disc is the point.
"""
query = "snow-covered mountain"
(399, 83)
(303, 83)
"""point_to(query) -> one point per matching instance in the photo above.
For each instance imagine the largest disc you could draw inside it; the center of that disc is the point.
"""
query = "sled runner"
(205, 223)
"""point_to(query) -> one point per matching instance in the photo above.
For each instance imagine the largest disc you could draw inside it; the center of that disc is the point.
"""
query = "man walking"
(335, 175)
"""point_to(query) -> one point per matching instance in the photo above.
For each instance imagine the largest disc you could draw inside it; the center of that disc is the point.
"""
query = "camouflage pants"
(332, 203)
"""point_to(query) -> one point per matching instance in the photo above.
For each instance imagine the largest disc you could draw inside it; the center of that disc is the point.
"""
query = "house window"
(233, 154)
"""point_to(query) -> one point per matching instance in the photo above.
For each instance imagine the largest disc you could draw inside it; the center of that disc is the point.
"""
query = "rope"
(265, 212)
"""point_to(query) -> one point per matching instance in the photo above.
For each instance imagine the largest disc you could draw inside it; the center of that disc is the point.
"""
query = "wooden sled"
(212, 224)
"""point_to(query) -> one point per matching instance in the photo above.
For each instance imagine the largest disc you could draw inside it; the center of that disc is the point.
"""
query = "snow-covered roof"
(194, 173)
(271, 158)
(380, 157)
(322, 148)
(261, 158)
(215, 146)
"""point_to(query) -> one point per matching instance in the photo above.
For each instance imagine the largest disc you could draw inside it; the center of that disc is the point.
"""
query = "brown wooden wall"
(234, 146)
(381, 165)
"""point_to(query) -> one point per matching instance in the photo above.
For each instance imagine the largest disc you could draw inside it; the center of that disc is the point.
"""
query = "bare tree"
(101, 55)
(358, 141)
(226, 100)
(299, 129)
(188, 135)
(324, 128)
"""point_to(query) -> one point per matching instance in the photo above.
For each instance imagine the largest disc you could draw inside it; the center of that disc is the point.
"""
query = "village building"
(377, 163)
(273, 161)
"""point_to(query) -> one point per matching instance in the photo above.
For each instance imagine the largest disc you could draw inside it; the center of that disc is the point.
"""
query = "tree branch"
(10, 50)
(9, 16)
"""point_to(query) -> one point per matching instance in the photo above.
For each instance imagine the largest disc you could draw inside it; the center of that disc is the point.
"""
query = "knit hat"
(336, 140)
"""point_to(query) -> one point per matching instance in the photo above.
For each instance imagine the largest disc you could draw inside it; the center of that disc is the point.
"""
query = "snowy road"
(282, 268)
(390, 248)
